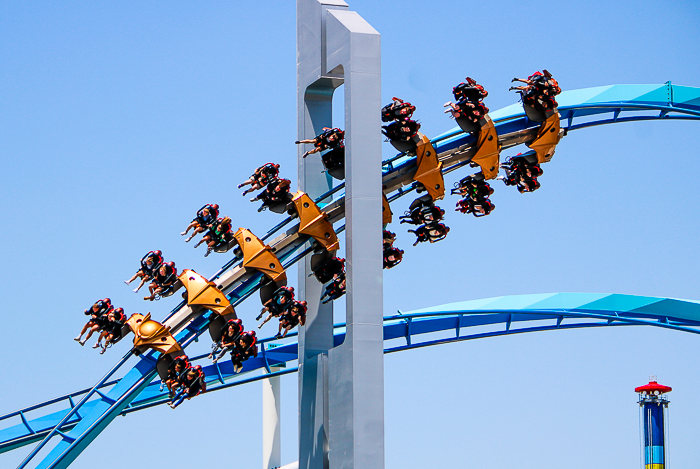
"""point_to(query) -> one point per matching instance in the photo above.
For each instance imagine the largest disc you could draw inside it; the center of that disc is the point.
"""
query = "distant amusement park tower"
(653, 406)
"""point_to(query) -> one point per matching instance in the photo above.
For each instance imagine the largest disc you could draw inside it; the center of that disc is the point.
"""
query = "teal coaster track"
(89, 411)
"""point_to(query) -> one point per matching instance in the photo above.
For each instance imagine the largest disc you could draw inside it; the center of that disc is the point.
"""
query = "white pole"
(272, 453)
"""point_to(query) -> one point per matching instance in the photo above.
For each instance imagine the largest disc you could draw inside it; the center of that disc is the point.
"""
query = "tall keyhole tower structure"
(341, 386)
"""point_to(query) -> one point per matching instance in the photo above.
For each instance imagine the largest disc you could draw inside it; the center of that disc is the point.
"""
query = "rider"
(540, 90)
(162, 281)
(333, 266)
(279, 303)
(175, 370)
(402, 131)
(522, 167)
(521, 173)
(473, 186)
(432, 232)
(191, 384)
(468, 97)
(476, 192)
(245, 348)
(229, 333)
(275, 192)
(470, 91)
(112, 331)
(388, 239)
(219, 233)
(335, 289)
(398, 110)
(392, 257)
(98, 318)
(512, 178)
(295, 316)
(464, 108)
(528, 185)
(206, 216)
(261, 177)
(330, 138)
(478, 208)
(423, 214)
(150, 263)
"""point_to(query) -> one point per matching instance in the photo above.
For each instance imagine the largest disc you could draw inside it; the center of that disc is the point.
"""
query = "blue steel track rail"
(445, 324)
(586, 107)
(646, 102)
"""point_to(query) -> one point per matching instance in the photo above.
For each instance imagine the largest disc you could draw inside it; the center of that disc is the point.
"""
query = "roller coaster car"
(420, 202)
(421, 211)
(402, 135)
(334, 162)
(259, 256)
(267, 289)
(529, 158)
(216, 326)
(125, 330)
(548, 136)
(429, 169)
(468, 125)
(280, 206)
(314, 223)
(282, 300)
(487, 149)
(151, 334)
(387, 214)
(325, 265)
(169, 291)
(227, 246)
(201, 293)
(463, 186)
(408, 146)
(537, 114)
(275, 201)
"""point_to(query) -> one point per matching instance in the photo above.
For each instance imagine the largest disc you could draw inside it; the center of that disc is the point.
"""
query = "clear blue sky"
(119, 120)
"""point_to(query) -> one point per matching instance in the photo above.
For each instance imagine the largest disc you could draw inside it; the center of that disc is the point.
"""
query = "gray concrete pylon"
(314, 107)
(272, 435)
(341, 389)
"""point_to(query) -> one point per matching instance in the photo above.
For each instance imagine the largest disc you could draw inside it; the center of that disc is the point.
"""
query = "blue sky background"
(118, 120)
